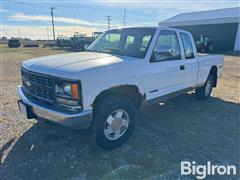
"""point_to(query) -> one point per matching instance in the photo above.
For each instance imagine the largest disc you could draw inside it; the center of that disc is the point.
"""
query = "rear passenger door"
(191, 62)
(166, 67)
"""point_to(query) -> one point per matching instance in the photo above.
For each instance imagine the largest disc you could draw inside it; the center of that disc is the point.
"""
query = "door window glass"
(167, 47)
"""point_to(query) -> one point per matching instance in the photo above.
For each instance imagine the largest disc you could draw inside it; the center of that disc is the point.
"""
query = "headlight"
(67, 90)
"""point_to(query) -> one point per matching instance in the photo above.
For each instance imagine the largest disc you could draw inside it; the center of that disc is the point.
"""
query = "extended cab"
(123, 70)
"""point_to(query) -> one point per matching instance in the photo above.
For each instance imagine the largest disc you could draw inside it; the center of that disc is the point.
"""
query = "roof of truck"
(150, 27)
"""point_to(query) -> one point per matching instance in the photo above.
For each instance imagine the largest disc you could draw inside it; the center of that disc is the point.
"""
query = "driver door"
(166, 67)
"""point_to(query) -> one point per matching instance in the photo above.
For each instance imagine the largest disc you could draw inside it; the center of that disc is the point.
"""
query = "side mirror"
(165, 51)
(85, 47)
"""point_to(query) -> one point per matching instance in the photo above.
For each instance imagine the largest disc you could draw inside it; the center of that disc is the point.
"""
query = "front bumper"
(74, 120)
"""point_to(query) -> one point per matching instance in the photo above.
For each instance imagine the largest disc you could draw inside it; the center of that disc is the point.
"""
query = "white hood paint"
(68, 65)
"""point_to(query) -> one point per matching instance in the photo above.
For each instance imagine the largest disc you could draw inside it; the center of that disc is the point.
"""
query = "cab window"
(145, 42)
(111, 40)
(130, 41)
(167, 47)
(187, 44)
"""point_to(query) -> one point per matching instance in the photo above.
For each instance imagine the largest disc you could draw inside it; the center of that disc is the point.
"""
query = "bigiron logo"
(202, 171)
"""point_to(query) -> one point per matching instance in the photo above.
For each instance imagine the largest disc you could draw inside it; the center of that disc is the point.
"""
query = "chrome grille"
(39, 86)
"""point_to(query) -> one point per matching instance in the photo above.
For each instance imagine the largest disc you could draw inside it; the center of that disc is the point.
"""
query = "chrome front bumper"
(73, 120)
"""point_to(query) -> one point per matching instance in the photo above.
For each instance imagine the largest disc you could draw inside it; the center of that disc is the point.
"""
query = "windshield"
(132, 42)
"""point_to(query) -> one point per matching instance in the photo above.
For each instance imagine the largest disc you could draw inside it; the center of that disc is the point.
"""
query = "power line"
(52, 8)
(20, 2)
(109, 19)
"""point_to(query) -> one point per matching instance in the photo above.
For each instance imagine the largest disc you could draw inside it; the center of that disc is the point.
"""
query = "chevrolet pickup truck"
(121, 71)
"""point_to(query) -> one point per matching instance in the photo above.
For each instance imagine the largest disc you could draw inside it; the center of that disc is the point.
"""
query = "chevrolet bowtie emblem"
(28, 83)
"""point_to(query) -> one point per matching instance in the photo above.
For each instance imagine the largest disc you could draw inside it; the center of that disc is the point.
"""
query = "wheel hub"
(116, 124)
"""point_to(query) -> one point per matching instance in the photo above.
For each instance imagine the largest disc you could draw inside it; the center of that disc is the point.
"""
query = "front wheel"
(114, 121)
(204, 92)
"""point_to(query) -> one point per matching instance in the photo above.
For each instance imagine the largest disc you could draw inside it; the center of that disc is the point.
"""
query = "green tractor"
(205, 44)
(78, 43)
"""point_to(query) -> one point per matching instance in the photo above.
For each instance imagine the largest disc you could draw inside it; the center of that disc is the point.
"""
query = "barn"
(222, 25)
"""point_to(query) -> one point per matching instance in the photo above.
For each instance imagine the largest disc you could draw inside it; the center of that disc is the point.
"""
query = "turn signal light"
(75, 93)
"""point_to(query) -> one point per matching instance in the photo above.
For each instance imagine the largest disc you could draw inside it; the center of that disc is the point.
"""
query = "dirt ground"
(181, 129)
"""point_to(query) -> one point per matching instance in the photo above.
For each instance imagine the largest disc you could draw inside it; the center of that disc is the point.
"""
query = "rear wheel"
(114, 121)
(204, 92)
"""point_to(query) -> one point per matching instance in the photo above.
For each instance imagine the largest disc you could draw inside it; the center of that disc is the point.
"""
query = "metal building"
(223, 25)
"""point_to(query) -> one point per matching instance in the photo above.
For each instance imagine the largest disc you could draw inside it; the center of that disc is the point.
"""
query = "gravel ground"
(181, 129)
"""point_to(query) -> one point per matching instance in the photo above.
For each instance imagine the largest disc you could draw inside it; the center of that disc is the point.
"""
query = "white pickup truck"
(120, 72)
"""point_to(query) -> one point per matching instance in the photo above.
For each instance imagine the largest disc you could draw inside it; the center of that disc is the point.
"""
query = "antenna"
(108, 21)
(52, 8)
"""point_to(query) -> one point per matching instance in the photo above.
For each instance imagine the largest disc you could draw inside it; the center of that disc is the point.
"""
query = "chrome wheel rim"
(208, 88)
(116, 124)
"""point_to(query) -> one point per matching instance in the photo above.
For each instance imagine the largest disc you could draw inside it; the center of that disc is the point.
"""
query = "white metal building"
(222, 24)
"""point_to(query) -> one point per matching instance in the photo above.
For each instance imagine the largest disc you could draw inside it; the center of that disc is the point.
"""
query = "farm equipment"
(63, 42)
(205, 44)
(78, 43)
(96, 34)
(14, 43)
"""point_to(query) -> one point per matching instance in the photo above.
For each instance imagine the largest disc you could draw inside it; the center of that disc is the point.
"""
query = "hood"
(66, 65)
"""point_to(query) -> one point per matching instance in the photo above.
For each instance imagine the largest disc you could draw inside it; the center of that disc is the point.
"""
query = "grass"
(24, 53)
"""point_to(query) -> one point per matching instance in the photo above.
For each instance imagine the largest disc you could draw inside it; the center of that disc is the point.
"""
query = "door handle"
(182, 67)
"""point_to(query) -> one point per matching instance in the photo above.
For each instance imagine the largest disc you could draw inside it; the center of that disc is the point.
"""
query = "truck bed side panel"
(205, 65)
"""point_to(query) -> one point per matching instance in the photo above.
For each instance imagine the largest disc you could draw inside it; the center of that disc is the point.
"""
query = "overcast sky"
(31, 18)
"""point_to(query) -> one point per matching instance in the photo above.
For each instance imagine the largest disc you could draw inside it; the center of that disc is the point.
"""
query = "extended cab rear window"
(187, 44)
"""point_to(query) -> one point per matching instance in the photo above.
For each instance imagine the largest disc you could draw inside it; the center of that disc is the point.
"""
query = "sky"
(32, 18)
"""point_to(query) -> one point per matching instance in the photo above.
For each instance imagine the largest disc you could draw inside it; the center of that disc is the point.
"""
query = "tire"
(204, 92)
(114, 121)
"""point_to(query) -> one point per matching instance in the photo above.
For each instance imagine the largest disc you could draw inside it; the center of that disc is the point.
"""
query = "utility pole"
(18, 33)
(74, 26)
(52, 8)
(108, 21)
(124, 17)
(47, 33)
